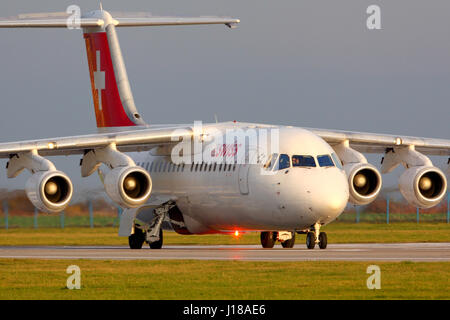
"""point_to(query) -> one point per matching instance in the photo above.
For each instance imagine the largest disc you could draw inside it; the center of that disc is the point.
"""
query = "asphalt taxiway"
(335, 252)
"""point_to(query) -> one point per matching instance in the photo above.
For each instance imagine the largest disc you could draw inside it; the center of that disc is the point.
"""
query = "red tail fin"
(111, 110)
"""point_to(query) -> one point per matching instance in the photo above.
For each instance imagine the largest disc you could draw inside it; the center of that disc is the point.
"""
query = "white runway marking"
(335, 252)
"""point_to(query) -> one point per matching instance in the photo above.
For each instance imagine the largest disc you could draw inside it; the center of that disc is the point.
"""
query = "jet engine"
(49, 191)
(423, 186)
(128, 186)
(364, 182)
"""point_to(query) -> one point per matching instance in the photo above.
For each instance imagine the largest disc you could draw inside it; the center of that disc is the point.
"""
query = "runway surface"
(334, 252)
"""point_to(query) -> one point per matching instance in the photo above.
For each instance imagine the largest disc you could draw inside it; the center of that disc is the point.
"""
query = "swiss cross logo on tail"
(99, 80)
(107, 94)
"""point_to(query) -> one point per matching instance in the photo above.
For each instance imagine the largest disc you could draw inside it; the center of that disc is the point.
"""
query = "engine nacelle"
(129, 186)
(49, 191)
(423, 187)
(364, 182)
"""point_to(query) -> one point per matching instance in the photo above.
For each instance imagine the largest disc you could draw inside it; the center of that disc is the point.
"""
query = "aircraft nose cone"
(335, 203)
(330, 196)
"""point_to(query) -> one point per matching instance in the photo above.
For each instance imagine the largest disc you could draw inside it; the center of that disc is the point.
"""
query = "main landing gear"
(150, 232)
(287, 238)
(137, 239)
(315, 236)
(268, 239)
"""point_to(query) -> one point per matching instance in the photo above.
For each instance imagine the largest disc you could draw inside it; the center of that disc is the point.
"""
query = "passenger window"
(284, 162)
(325, 161)
(303, 161)
(336, 160)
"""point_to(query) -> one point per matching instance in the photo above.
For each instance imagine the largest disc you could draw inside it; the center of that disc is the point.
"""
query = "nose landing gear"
(315, 236)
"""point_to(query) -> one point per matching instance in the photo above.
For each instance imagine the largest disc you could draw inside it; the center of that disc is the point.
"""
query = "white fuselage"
(217, 197)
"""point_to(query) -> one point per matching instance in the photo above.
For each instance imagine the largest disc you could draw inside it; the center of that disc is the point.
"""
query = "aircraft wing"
(380, 143)
(128, 141)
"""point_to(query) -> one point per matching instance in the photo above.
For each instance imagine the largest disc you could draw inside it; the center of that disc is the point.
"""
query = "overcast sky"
(301, 63)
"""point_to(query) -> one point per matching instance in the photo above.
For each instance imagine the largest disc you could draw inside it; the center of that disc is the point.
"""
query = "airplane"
(226, 177)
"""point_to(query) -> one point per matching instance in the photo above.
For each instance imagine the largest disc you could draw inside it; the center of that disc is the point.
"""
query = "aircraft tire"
(310, 240)
(289, 243)
(268, 239)
(157, 244)
(136, 240)
(323, 241)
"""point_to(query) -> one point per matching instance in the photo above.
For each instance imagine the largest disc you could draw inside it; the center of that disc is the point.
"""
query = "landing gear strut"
(157, 244)
(315, 236)
(150, 232)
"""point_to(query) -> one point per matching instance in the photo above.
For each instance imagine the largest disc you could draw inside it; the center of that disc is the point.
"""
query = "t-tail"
(113, 100)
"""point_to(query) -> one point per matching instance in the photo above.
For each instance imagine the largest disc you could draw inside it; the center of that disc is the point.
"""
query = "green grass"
(46, 279)
(55, 221)
(337, 233)
(393, 217)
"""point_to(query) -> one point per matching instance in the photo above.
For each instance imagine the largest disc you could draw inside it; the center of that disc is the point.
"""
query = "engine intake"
(424, 187)
(129, 187)
(364, 182)
(49, 191)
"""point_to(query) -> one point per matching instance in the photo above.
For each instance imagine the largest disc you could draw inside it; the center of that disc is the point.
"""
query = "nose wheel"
(314, 237)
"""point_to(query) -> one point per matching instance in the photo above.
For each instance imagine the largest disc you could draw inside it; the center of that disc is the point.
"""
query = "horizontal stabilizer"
(173, 21)
(38, 21)
(48, 23)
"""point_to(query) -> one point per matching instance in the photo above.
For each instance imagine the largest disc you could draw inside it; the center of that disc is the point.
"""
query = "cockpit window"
(336, 160)
(303, 161)
(284, 162)
(271, 161)
(325, 161)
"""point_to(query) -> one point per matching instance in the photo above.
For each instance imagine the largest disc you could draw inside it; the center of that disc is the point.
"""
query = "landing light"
(236, 233)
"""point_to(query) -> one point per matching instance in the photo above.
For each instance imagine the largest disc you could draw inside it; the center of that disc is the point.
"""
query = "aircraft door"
(244, 169)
